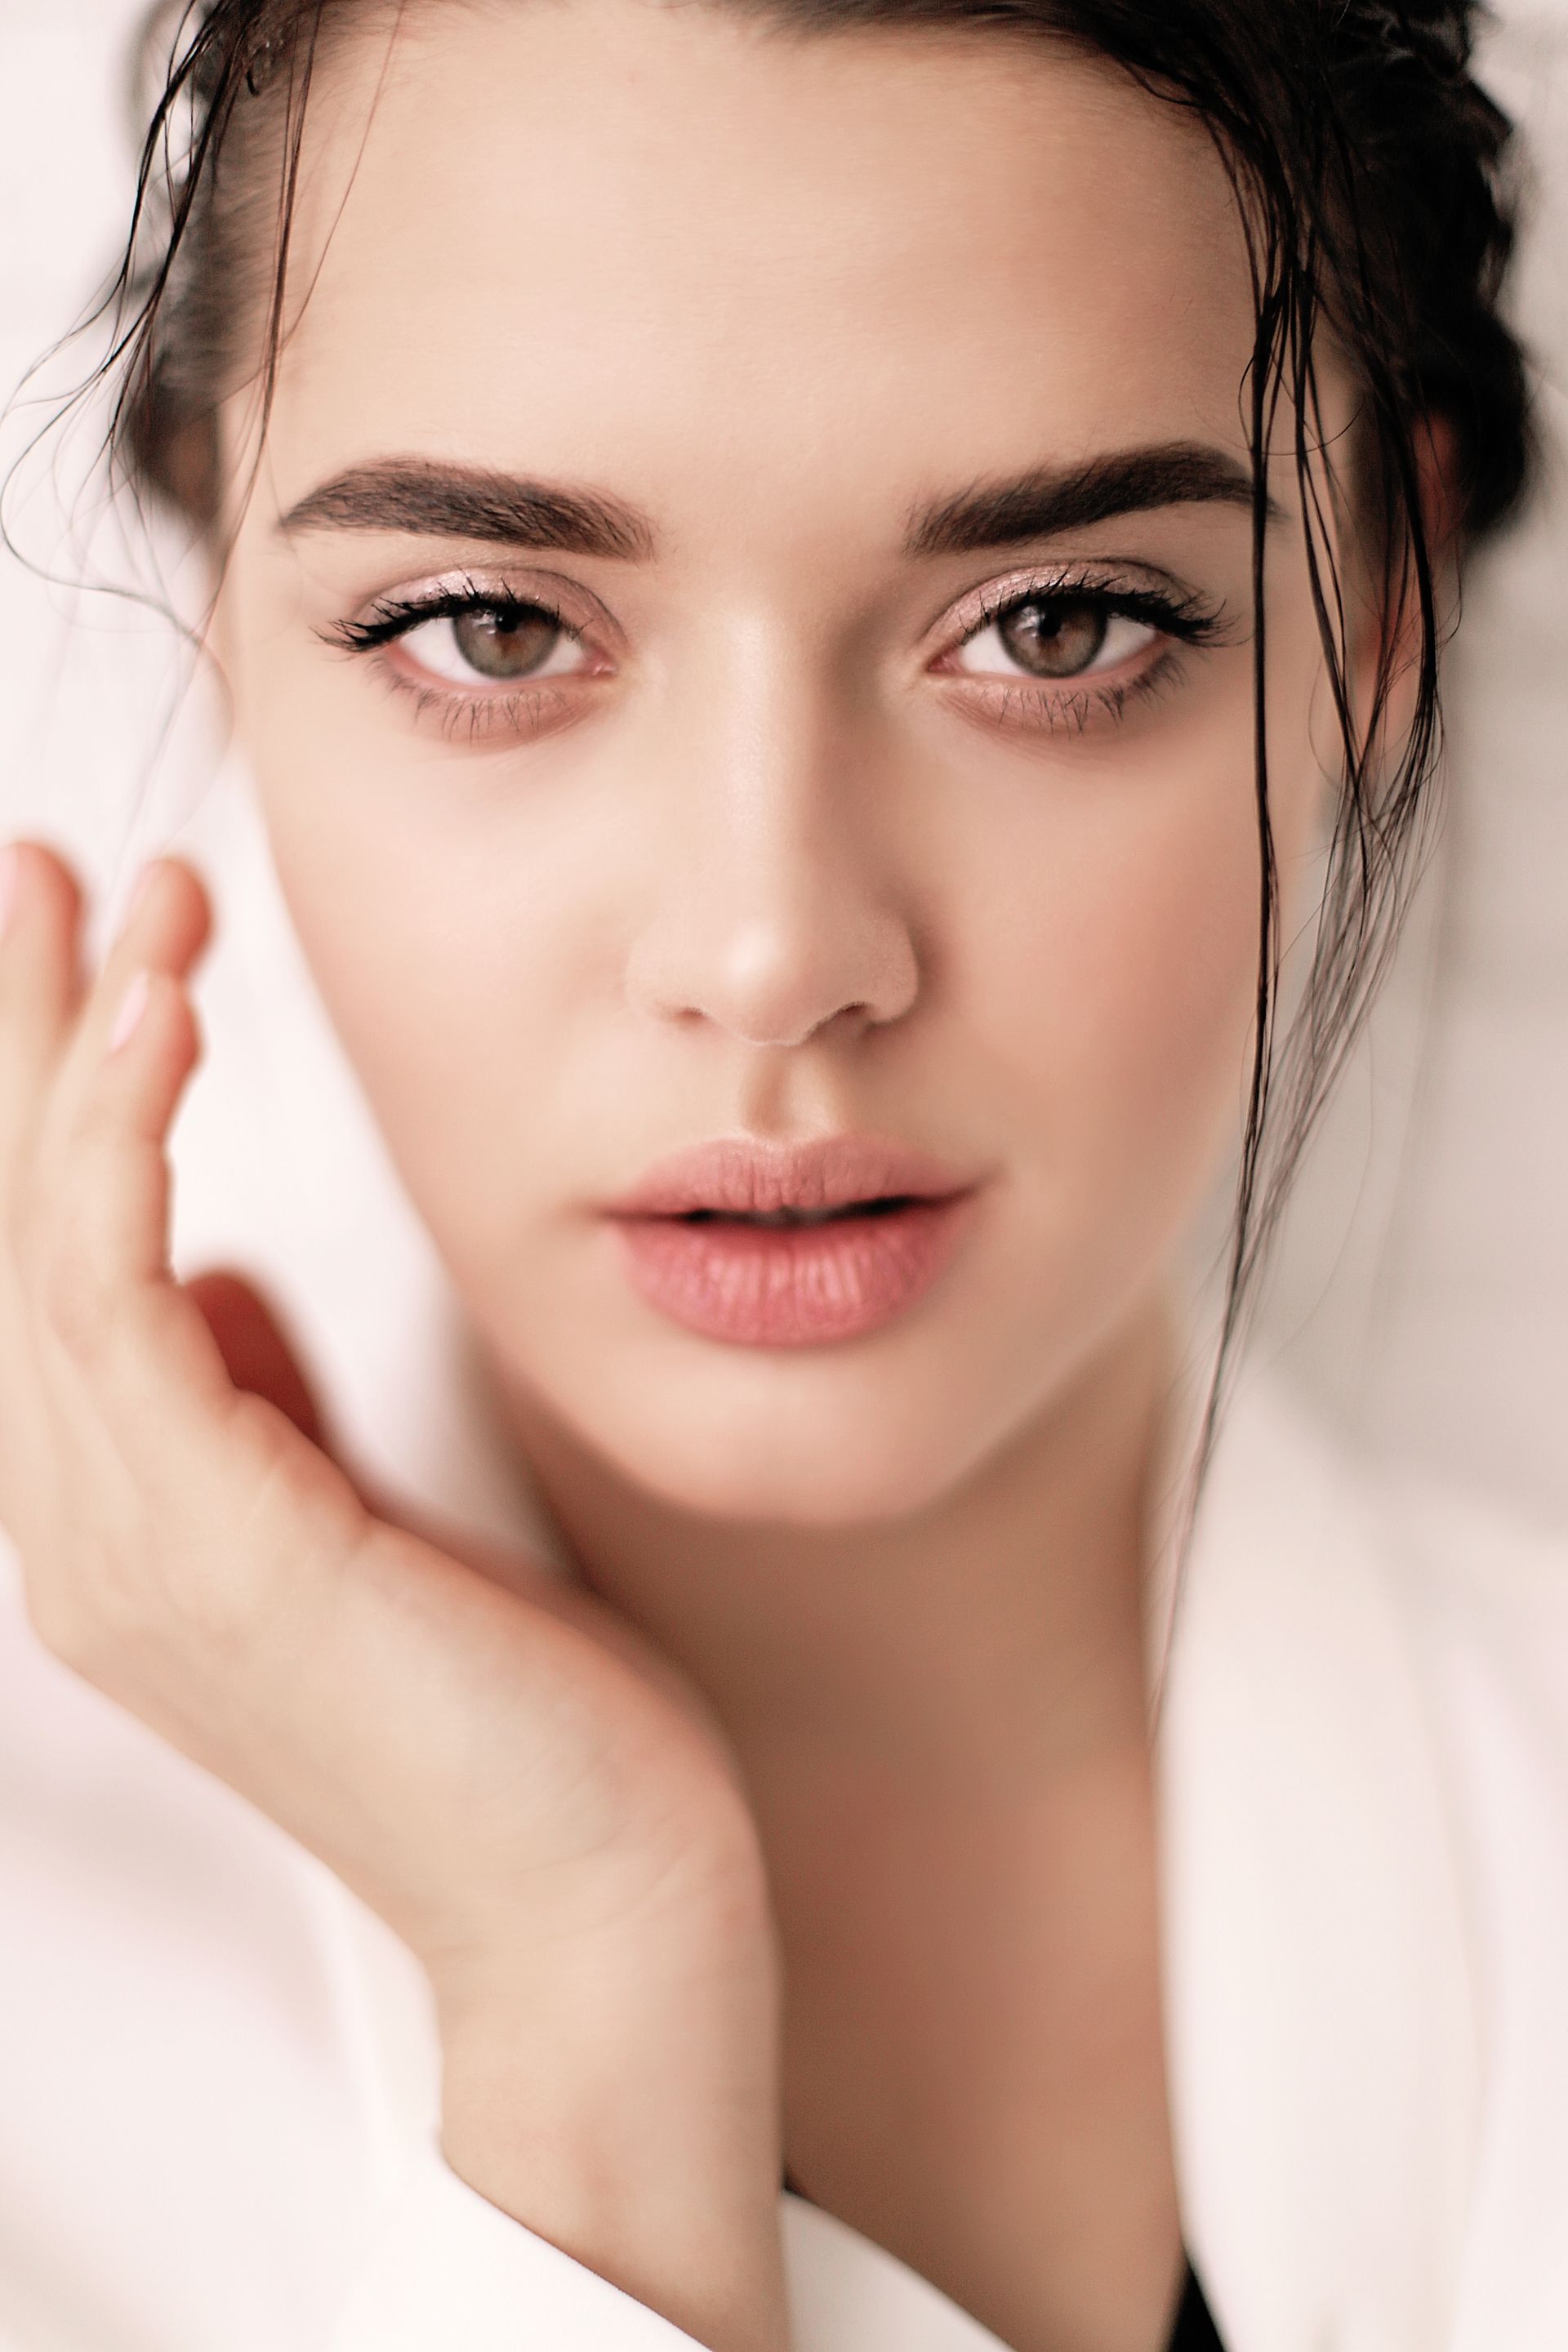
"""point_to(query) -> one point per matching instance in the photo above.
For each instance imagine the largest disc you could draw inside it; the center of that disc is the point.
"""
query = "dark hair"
(1371, 174)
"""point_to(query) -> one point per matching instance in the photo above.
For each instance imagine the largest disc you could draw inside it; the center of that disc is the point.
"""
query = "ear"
(1435, 446)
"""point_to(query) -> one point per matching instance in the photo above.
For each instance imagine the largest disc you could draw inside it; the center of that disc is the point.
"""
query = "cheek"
(451, 986)
(1115, 995)
(1114, 974)
(1170, 991)
(448, 942)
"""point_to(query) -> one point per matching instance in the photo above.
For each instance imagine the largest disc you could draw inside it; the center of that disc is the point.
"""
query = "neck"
(1001, 1629)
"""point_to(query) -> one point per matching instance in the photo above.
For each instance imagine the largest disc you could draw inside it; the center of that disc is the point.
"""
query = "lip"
(739, 1176)
(803, 1286)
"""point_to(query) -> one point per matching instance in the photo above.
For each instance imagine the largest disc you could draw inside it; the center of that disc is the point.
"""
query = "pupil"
(508, 643)
(1053, 638)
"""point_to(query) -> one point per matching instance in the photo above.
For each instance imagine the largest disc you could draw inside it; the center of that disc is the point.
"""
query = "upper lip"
(742, 1176)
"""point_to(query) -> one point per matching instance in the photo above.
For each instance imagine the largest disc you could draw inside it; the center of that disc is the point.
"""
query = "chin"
(830, 1455)
(781, 1486)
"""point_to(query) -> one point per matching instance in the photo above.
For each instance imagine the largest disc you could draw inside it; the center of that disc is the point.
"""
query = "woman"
(800, 585)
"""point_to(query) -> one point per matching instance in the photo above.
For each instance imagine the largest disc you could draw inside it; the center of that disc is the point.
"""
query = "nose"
(771, 914)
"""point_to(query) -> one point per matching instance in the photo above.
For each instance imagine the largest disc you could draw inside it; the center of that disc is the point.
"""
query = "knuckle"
(175, 1595)
(129, 1617)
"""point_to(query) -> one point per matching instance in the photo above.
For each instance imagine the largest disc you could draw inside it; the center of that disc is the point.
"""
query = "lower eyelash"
(473, 721)
(1039, 712)
(1034, 709)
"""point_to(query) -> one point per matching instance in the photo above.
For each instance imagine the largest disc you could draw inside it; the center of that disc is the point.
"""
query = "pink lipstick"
(791, 1244)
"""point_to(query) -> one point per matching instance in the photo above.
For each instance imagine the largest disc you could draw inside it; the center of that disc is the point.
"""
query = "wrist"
(630, 2117)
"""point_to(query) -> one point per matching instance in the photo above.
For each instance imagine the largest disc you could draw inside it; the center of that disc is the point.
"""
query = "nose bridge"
(772, 908)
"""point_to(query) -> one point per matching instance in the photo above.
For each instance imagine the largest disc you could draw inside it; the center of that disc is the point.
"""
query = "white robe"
(219, 2071)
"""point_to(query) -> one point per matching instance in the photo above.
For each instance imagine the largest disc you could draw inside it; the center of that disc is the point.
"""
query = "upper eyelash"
(393, 617)
(1175, 613)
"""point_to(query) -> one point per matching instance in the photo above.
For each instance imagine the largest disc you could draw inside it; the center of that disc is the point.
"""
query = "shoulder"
(1296, 1507)
(1364, 1782)
(1460, 1551)
(1471, 1593)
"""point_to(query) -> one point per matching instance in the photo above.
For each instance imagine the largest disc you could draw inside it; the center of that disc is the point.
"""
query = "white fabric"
(218, 2074)
(218, 2128)
(448, 2266)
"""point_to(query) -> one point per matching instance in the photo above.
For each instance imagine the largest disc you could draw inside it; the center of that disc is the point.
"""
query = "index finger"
(166, 927)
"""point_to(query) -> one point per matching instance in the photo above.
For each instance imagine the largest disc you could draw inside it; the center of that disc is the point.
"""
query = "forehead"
(608, 233)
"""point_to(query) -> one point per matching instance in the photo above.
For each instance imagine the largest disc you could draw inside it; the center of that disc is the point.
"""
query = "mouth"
(786, 1219)
(765, 1243)
(792, 1277)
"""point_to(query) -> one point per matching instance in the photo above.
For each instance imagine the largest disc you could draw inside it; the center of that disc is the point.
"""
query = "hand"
(528, 1795)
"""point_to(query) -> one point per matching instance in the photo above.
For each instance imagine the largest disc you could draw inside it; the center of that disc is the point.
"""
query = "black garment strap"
(1194, 2330)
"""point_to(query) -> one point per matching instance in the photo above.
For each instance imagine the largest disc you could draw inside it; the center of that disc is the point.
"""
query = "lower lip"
(792, 1286)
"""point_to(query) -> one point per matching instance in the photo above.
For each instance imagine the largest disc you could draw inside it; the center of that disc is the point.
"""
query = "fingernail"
(131, 1006)
(10, 875)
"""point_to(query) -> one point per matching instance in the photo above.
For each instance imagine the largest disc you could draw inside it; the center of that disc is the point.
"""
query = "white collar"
(1320, 2016)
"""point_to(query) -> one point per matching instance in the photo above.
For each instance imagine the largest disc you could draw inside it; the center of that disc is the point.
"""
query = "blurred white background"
(1422, 1291)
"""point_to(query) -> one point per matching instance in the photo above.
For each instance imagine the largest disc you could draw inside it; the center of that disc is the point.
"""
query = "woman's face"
(797, 820)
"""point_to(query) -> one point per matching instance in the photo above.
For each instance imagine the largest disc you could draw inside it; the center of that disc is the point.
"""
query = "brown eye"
(1051, 637)
(506, 642)
(1055, 636)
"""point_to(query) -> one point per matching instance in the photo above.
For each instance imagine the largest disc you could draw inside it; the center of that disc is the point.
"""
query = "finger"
(121, 1128)
(99, 1270)
(39, 988)
(166, 927)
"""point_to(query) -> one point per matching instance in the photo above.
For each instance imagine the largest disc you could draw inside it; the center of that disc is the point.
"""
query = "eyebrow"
(429, 499)
(1052, 499)
(438, 501)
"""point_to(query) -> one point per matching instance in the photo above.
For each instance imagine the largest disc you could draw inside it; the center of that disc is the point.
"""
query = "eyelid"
(1155, 597)
(422, 600)
(443, 593)
(1178, 612)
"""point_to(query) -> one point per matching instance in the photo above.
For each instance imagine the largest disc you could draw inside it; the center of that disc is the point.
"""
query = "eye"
(494, 644)
(1056, 638)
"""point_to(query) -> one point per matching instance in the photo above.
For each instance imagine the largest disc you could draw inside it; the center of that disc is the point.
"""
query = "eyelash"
(478, 716)
(1038, 708)
(1072, 706)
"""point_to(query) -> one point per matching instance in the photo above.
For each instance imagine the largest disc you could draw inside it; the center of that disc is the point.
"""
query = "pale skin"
(818, 1831)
